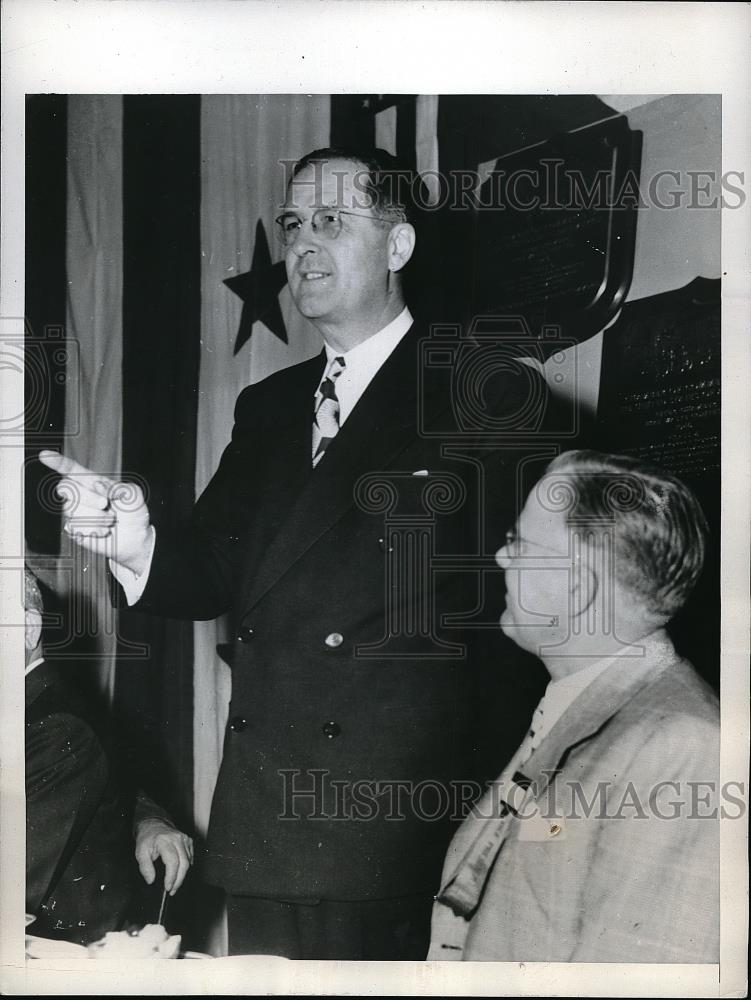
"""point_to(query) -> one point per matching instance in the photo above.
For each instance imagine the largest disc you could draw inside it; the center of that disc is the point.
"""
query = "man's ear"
(401, 245)
(33, 620)
(585, 581)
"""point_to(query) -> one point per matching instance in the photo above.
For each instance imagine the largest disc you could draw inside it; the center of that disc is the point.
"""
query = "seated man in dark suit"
(79, 846)
(600, 840)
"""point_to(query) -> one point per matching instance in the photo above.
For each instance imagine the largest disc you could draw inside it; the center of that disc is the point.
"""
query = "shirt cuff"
(134, 585)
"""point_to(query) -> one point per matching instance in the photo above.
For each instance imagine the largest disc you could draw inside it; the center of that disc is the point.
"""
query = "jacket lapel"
(287, 463)
(382, 424)
(603, 698)
(476, 844)
(278, 457)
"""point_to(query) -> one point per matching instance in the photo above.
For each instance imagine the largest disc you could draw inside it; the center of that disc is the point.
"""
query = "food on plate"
(152, 941)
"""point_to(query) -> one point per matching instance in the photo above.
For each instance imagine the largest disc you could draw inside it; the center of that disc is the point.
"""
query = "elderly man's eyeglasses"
(516, 546)
(326, 222)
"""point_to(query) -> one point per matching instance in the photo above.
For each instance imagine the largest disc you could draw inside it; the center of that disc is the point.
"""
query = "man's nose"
(503, 557)
(307, 240)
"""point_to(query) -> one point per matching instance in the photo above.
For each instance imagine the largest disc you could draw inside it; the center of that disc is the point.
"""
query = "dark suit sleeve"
(146, 808)
(192, 570)
(66, 774)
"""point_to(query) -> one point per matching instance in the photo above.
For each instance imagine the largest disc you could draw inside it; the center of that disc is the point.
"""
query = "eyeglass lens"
(324, 221)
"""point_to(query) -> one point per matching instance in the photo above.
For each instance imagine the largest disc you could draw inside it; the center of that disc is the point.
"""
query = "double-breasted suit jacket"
(318, 567)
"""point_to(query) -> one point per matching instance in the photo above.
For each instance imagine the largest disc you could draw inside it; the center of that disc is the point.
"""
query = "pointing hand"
(103, 515)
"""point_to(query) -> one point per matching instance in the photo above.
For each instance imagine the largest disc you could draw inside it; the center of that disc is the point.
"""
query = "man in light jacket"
(600, 840)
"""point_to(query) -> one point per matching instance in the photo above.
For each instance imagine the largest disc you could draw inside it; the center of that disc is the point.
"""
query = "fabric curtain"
(93, 417)
(160, 357)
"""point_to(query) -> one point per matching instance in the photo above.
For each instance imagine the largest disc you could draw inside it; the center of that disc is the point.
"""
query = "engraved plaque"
(555, 226)
(660, 386)
(660, 401)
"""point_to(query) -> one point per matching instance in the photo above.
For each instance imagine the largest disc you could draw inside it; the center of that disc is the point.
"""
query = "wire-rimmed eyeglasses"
(326, 222)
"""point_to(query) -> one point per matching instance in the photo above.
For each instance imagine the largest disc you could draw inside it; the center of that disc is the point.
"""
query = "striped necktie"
(326, 418)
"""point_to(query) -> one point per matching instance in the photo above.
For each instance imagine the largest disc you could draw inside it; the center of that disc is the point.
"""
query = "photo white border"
(388, 46)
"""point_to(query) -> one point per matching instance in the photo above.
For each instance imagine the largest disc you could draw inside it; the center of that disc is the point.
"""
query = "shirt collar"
(371, 353)
(31, 666)
(560, 693)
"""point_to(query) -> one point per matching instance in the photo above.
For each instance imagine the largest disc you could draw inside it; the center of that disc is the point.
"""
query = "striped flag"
(145, 216)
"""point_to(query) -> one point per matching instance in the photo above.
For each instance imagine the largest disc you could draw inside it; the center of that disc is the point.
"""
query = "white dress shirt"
(361, 365)
(559, 694)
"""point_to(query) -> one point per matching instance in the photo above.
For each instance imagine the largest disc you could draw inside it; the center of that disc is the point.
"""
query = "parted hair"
(660, 532)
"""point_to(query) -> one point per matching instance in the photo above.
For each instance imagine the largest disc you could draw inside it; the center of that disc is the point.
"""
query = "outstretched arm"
(178, 574)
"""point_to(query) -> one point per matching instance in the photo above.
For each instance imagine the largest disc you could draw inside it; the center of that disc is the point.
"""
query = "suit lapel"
(603, 698)
(476, 844)
(382, 424)
(279, 457)
(287, 464)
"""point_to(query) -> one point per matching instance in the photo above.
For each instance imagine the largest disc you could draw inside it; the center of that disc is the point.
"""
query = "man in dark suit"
(342, 532)
(79, 825)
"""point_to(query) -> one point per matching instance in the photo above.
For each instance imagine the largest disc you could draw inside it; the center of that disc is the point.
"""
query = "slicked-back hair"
(660, 531)
(386, 183)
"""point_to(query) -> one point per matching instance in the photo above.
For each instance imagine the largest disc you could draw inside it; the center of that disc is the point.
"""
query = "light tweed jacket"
(622, 884)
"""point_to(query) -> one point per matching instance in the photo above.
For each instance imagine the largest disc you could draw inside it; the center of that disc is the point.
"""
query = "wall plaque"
(555, 225)
(660, 401)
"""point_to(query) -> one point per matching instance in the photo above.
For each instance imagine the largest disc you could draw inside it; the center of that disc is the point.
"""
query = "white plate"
(37, 947)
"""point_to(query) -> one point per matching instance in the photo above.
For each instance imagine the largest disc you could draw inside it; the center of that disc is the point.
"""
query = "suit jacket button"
(238, 723)
(245, 634)
(334, 639)
(331, 730)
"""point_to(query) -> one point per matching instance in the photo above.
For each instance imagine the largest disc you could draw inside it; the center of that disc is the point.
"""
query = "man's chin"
(310, 306)
(512, 630)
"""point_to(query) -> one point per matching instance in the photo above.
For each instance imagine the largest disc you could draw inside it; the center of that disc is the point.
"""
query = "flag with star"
(259, 290)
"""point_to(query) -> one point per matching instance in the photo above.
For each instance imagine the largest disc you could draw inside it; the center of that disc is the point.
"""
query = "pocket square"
(421, 472)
